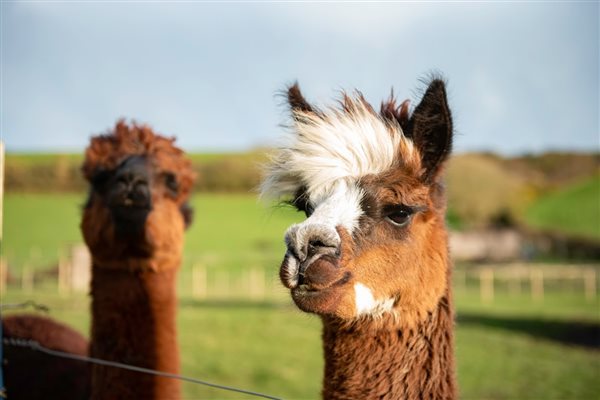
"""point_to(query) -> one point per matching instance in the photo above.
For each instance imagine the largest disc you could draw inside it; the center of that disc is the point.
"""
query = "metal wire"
(25, 304)
(33, 345)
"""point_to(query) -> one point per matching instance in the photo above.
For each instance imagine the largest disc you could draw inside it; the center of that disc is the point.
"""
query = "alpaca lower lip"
(130, 209)
(318, 300)
(305, 289)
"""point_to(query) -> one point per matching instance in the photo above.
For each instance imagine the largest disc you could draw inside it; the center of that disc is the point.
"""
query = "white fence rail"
(534, 276)
(209, 277)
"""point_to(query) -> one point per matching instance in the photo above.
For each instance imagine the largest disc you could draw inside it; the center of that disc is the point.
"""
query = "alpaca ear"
(431, 129)
(296, 100)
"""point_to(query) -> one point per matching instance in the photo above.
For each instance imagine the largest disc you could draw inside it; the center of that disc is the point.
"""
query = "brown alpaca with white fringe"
(372, 257)
(133, 224)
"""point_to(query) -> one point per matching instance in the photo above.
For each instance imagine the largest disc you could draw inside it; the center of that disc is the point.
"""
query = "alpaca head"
(137, 205)
(374, 241)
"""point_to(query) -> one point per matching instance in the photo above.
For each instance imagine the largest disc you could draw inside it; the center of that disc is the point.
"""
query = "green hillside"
(574, 209)
(482, 188)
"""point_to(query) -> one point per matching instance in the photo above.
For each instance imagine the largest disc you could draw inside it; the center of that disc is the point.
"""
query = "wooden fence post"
(461, 279)
(80, 270)
(27, 279)
(2, 156)
(3, 275)
(64, 276)
(536, 277)
(589, 278)
(486, 284)
(199, 284)
(256, 281)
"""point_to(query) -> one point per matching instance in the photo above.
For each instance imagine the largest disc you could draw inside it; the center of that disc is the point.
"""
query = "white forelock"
(332, 145)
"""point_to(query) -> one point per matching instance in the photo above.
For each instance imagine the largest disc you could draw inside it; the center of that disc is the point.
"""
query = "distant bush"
(554, 169)
(61, 173)
(229, 174)
(48, 174)
(481, 192)
(483, 189)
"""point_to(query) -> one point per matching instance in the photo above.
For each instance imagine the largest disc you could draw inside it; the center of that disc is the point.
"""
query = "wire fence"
(33, 345)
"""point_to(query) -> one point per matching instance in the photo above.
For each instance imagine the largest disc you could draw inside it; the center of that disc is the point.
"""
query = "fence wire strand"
(33, 345)
(29, 303)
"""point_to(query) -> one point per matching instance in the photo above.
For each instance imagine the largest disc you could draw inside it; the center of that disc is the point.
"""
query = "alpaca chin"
(329, 301)
(323, 288)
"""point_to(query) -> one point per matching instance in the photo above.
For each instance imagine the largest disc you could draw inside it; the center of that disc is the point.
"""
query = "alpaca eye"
(100, 178)
(171, 183)
(309, 210)
(301, 203)
(399, 218)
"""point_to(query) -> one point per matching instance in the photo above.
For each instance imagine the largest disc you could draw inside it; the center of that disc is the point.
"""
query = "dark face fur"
(127, 192)
(137, 205)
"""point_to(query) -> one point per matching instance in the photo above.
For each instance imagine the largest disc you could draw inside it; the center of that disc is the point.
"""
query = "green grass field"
(275, 349)
(228, 228)
(575, 209)
(513, 348)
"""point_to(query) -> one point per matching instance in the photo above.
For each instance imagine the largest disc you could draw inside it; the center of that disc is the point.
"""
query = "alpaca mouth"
(130, 214)
(310, 289)
(321, 300)
(130, 218)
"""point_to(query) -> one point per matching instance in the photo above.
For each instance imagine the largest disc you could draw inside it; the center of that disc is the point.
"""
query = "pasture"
(513, 348)
(574, 209)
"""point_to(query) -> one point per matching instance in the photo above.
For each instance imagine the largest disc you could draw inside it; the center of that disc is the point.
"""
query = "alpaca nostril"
(304, 241)
(316, 246)
(316, 243)
(131, 185)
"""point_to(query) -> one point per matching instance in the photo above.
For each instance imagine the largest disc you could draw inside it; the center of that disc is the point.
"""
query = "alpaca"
(30, 374)
(371, 259)
(133, 224)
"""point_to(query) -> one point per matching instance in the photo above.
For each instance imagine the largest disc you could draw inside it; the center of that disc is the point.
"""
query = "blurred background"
(523, 184)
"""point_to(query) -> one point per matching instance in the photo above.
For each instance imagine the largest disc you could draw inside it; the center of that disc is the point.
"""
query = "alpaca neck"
(133, 322)
(372, 360)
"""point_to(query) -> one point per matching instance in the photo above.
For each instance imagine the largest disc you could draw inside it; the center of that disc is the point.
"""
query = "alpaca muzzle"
(129, 195)
(309, 245)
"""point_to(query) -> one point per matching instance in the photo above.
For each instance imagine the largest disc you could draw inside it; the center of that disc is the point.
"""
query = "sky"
(523, 77)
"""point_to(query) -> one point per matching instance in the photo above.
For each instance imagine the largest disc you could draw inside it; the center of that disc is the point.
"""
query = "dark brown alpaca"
(133, 224)
(372, 257)
(30, 374)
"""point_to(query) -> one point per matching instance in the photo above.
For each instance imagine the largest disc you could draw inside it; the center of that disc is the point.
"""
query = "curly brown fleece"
(133, 292)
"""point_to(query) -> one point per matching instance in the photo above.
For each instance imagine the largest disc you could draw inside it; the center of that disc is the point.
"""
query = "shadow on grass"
(577, 333)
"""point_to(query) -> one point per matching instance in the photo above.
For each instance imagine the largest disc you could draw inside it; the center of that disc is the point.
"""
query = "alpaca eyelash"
(400, 215)
(301, 203)
(302, 206)
(413, 209)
